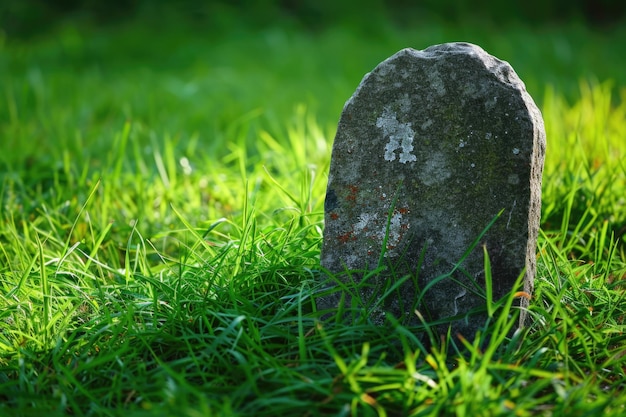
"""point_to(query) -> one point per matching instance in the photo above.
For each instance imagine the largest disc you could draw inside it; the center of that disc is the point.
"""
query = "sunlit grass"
(154, 262)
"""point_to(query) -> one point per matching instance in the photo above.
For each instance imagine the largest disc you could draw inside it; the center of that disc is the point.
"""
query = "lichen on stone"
(400, 136)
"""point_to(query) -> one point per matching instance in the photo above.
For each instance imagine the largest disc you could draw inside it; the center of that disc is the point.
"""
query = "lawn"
(162, 188)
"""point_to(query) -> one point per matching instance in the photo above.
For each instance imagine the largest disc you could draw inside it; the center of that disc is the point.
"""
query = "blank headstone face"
(431, 147)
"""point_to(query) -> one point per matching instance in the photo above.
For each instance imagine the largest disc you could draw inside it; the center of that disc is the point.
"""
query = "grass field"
(161, 191)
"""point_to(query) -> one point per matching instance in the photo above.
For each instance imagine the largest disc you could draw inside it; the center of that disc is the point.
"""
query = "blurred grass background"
(589, 46)
(180, 56)
(28, 17)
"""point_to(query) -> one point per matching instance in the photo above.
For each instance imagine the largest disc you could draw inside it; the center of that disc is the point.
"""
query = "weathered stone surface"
(429, 149)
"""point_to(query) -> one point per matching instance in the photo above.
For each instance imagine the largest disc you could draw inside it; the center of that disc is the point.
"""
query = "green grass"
(161, 215)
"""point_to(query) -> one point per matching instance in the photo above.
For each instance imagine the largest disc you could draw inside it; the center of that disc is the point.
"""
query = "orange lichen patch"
(353, 192)
(346, 237)
(334, 216)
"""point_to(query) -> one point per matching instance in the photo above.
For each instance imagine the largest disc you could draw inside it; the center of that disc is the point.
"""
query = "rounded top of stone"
(445, 48)
(454, 50)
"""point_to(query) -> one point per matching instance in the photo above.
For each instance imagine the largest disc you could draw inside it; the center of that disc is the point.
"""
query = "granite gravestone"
(435, 149)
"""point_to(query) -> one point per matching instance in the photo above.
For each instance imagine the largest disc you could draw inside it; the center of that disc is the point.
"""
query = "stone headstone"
(431, 147)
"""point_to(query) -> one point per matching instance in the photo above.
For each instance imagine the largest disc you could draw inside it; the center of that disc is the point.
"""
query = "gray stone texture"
(429, 149)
